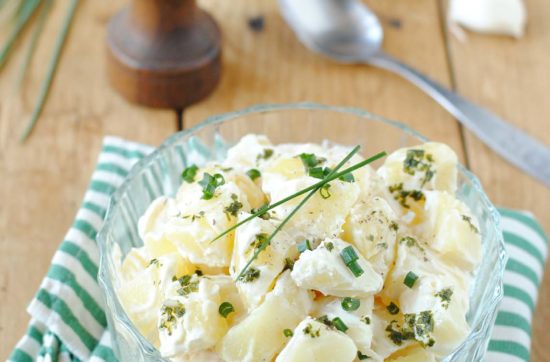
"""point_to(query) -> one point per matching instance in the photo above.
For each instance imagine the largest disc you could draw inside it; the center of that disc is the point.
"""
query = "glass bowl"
(159, 174)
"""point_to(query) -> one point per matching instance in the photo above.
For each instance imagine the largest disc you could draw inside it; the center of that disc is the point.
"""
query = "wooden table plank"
(273, 67)
(43, 181)
(511, 77)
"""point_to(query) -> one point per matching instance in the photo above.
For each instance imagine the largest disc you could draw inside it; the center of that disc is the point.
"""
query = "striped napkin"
(68, 322)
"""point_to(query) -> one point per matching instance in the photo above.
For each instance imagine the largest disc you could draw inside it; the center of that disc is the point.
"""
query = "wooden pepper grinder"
(163, 53)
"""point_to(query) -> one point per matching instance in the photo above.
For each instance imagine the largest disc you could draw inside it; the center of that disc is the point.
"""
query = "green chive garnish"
(210, 183)
(355, 269)
(349, 255)
(288, 333)
(339, 324)
(315, 186)
(392, 308)
(310, 160)
(362, 356)
(225, 309)
(325, 193)
(295, 210)
(410, 279)
(253, 174)
(189, 173)
(350, 304)
(303, 246)
(318, 172)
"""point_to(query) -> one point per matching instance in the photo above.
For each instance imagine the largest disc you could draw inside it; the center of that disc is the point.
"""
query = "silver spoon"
(347, 31)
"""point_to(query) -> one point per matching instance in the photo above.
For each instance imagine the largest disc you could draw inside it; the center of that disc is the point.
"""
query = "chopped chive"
(355, 269)
(392, 308)
(310, 160)
(288, 333)
(349, 255)
(315, 186)
(339, 324)
(347, 178)
(225, 309)
(318, 172)
(209, 184)
(303, 246)
(253, 174)
(350, 304)
(189, 173)
(325, 193)
(362, 356)
(410, 279)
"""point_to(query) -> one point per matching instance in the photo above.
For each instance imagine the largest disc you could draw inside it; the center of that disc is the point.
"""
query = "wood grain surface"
(44, 179)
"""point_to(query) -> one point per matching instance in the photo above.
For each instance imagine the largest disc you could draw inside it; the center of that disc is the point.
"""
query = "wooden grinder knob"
(163, 53)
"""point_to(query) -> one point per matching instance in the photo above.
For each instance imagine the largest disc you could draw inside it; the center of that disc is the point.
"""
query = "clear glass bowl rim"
(103, 275)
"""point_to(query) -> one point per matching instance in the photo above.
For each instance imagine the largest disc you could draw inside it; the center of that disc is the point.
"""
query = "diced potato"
(438, 289)
(191, 323)
(229, 293)
(259, 337)
(270, 262)
(430, 166)
(248, 151)
(382, 343)
(452, 230)
(372, 228)
(150, 226)
(358, 321)
(142, 291)
(194, 230)
(416, 354)
(204, 356)
(324, 270)
(314, 341)
(134, 262)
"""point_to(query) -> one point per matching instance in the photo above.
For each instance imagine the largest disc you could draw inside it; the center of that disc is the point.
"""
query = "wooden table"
(42, 181)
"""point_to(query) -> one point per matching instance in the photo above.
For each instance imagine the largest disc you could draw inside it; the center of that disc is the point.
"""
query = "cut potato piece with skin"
(372, 228)
(323, 269)
(316, 342)
(260, 336)
(452, 230)
(190, 322)
(430, 166)
(270, 261)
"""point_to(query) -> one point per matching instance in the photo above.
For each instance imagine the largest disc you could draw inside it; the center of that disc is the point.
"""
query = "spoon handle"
(522, 150)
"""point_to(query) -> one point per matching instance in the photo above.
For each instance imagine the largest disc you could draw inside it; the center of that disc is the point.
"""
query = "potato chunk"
(323, 269)
(314, 341)
(259, 337)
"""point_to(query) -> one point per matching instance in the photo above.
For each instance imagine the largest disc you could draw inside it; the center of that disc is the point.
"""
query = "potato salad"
(372, 265)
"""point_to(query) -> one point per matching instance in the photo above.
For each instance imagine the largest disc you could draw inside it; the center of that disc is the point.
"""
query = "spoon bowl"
(344, 30)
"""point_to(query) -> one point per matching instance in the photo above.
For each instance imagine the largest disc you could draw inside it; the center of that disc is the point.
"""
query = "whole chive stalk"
(24, 13)
(45, 88)
(37, 31)
(316, 186)
(279, 227)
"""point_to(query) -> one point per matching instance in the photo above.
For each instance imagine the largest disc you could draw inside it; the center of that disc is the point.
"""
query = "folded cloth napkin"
(68, 322)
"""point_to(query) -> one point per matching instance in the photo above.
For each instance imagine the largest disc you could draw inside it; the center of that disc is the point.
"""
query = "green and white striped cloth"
(67, 318)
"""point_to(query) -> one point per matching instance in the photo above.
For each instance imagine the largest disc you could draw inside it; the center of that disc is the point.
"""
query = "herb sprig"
(316, 186)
